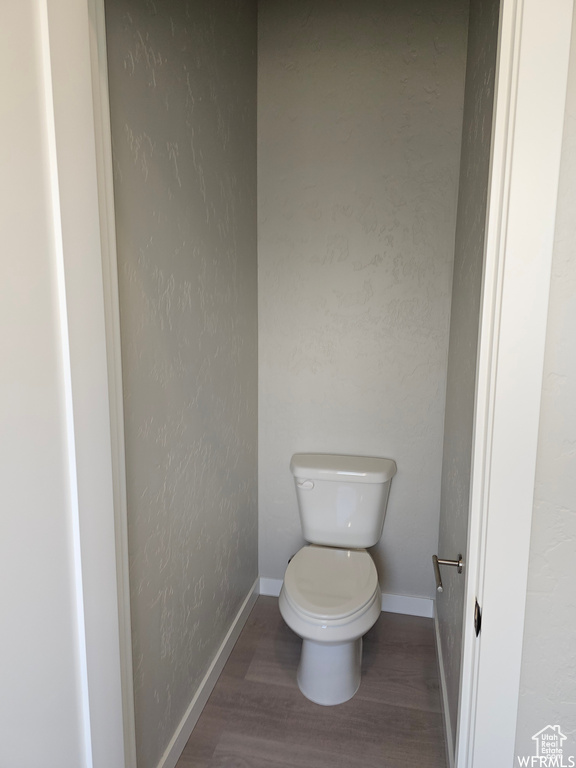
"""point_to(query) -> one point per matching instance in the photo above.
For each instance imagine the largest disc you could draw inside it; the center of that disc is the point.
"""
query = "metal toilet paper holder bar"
(437, 562)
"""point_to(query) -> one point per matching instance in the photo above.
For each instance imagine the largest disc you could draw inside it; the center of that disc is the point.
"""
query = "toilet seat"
(329, 585)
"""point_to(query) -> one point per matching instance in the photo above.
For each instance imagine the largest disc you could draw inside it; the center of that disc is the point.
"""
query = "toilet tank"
(342, 499)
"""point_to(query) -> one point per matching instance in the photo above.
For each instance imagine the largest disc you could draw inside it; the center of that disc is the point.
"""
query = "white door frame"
(531, 77)
(529, 109)
(103, 148)
(67, 95)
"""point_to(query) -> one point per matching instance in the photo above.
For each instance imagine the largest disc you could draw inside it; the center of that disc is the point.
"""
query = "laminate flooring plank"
(263, 617)
(279, 713)
(276, 659)
(257, 717)
(397, 628)
(259, 753)
(200, 746)
(193, 761)
(400, 676)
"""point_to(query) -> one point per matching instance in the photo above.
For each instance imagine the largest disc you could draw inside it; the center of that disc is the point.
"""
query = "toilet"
(330, 595)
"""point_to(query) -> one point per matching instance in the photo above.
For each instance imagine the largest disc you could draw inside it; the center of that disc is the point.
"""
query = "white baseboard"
(444, 691)
(270, 587)
(411, 606)
(186, 725)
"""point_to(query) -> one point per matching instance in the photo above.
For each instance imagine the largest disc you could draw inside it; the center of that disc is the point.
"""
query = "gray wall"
(359, 123)
(183, 103)
(548, 677)
(464, 325)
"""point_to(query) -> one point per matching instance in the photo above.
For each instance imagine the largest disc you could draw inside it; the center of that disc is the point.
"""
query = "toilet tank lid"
(352, 469)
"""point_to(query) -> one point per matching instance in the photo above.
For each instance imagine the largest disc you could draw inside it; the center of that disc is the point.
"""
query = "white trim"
(66, 363)
(527, 135)
(444, 694)
(487, 344)
(270, 587)
(71, 69)
(410, 606)
(103, 141)
(186, 725)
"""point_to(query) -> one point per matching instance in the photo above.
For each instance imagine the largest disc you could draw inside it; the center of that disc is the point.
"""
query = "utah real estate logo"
(550, 753)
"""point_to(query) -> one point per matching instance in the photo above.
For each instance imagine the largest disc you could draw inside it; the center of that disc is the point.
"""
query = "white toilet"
(330, 595)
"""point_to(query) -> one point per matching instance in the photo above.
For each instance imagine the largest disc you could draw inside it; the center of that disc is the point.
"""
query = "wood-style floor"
(256, 716)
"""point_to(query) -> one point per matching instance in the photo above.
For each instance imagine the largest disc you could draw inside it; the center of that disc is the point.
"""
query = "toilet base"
(329, 673)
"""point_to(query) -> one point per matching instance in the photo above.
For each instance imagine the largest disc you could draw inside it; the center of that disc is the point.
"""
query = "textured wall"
(183, 102)
(464, 324)
(360, 114)
(548, 678)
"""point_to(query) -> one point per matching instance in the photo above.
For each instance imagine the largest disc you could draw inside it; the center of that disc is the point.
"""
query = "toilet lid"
(330, 583)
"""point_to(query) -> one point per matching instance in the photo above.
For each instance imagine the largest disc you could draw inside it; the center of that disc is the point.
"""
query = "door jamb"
(101, 101)
(531, 78)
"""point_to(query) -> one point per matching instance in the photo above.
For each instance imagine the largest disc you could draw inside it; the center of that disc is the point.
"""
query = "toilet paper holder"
(437, 562)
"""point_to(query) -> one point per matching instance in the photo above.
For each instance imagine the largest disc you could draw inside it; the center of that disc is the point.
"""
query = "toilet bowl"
(330, 598)
(330, 595)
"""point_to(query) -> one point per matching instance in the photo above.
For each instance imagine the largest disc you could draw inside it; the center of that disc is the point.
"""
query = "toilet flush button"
(306, 485)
